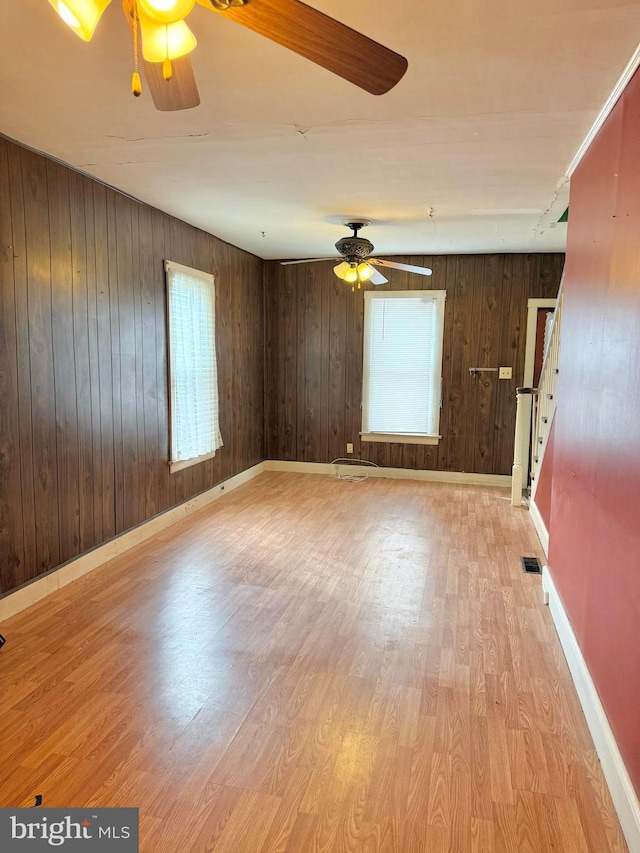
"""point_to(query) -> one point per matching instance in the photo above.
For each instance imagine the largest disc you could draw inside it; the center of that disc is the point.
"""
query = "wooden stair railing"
(542, 412)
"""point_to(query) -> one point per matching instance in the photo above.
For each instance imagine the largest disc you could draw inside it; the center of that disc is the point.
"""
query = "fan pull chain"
(136, 83)
(167, 70)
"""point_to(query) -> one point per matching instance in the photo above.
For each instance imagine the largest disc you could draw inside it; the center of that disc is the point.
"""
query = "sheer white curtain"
(193, 372)
(403, 362)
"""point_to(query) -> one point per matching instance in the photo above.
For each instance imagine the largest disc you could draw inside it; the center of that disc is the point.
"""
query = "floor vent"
(531, 565)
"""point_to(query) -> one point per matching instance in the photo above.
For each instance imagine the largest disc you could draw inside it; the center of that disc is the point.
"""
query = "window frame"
(439, 297)
(176, 465)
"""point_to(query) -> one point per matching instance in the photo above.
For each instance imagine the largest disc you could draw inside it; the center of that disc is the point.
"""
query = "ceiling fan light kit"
(160, 26)
(355, 272)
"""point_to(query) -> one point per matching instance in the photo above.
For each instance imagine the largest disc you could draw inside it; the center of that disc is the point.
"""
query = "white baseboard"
(623, 794)
(463, 478)
(540, 526)
(39, 588)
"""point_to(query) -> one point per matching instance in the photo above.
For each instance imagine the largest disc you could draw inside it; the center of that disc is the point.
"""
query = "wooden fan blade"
(307, 261)
(323, 40)
(395, 266)
(179, 93)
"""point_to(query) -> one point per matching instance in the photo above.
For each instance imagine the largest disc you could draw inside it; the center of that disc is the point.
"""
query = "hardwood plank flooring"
(311, 666)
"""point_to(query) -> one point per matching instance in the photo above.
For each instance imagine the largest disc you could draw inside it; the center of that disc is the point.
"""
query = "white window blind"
(402, 368)
(193, 374)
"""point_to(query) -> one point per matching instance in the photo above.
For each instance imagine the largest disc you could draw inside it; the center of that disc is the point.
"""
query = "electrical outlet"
(349, 447)
(505, 373)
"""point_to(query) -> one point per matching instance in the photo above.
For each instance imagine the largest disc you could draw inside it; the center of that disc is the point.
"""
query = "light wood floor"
(311, 665)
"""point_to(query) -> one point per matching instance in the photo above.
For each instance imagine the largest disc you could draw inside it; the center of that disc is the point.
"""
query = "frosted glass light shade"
(341, 269)
(365, 271)
(166, 11)
(165, 41)
(81, 16)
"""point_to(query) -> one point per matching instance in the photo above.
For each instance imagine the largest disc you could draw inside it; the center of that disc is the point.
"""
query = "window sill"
(187, 463)
(400, 439)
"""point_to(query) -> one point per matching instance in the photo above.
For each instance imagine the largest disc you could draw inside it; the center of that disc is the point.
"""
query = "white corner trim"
(540, 526)
(623, 794)
(41, 587)
(603, 115)
(460, 477)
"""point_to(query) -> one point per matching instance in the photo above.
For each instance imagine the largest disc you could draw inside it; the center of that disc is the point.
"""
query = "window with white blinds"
(193, 373)
(402, 369)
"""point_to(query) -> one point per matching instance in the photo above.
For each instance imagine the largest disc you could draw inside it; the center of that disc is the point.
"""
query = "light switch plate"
(505, 373)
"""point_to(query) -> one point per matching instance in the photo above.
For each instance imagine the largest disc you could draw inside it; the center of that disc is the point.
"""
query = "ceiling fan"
(357, 265)
(159, 28)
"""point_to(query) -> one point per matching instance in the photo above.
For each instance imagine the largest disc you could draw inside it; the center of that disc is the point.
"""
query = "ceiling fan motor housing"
(354, 248)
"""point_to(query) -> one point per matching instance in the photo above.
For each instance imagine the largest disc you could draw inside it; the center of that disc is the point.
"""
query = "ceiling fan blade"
(377, 278)
(323, 40)
(406, 267)
(307, 261)
(179, 93)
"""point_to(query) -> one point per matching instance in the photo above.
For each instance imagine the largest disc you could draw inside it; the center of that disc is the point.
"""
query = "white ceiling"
(467, 154)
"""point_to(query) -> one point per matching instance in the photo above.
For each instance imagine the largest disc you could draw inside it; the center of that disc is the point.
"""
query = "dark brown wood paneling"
(270, 309)
(26, 508)
(39, 257)
(337, 355)
(82, 362)
(128, 474)
(148, 343)
(114, 355)
(159, 225)
(456, 396)
(291, 446)
(11, 547)
(314, 378)
(355, 323)
(91, 429)
(98, 238)
(83, 375)
(64, 360)
(310, 329)
(298, 362)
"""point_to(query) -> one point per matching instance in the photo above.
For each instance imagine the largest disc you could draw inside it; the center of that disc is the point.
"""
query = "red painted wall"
(595, 504)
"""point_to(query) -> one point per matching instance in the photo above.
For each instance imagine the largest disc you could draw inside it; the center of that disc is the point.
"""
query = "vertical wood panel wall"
(314, 359)
(83, 375)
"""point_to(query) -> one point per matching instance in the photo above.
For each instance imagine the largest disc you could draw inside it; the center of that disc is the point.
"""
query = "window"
(193, 374)
(402, 370)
